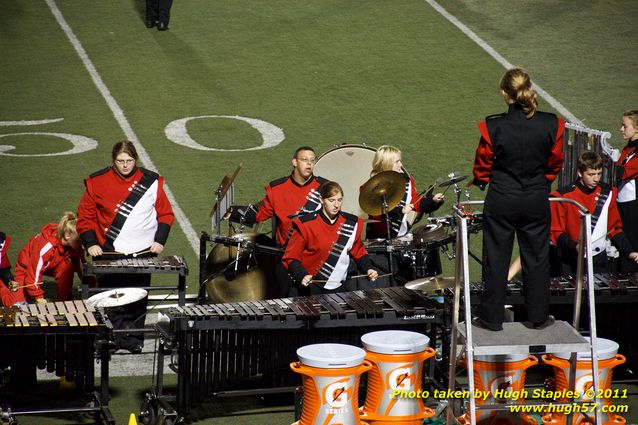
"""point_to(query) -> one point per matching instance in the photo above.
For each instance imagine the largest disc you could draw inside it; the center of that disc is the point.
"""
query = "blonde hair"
(517, 85)
(67, 224)
(384, 159)
(633, 116)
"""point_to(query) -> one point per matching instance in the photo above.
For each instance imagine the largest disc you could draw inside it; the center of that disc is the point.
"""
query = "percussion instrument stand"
(218, 213)
(389, 248)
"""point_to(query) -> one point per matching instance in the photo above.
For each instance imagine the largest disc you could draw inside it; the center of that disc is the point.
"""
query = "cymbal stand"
(385, 211)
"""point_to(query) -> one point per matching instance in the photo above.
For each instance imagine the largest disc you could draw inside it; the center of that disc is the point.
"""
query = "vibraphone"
(615, 297)
(608, 289)
(221, 346)
(147, 265)
(61, 337)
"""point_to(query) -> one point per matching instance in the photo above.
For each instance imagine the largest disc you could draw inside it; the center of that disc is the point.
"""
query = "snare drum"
(350, 166)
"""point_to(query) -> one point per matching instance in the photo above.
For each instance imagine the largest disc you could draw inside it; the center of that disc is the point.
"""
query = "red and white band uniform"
(44, 255)
(314, 247)
(566, 222)
(627, 200)
(285, 199)
(5, 268)
(148, 221)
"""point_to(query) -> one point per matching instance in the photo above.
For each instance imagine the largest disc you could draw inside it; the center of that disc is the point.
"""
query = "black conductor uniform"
(519, 157)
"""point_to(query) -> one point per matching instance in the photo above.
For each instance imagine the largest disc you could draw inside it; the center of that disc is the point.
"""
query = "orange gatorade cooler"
(500, 379)
(608, 358)
(330, 374)
(397, 365)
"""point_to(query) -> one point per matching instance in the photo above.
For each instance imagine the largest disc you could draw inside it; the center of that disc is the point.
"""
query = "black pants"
(629, 216)
(158, 10)
(526, 215)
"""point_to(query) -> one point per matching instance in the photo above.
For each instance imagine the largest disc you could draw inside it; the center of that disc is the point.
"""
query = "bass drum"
(254, 278)
(350, 166)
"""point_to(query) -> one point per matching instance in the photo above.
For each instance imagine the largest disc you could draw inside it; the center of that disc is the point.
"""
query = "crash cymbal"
(387, 184)
(452, 178)
(430, 284)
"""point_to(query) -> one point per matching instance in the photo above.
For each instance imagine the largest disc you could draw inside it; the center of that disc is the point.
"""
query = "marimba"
(142, 265)
(221, 346)
(62, 337)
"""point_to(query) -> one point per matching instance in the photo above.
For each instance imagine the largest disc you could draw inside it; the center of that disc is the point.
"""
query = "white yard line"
(500, 59)
(121, 119)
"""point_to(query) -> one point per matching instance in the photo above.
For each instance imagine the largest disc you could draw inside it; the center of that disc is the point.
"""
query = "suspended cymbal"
(430, 284)
(117, 297)
(452, 178)
(248, 285)
(387, 184)
(251, 278)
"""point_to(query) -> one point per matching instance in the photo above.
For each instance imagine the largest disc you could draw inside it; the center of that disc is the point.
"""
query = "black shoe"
(134, 349)
(150, 23)
(547, 323)
(162, 26)
(480, 323)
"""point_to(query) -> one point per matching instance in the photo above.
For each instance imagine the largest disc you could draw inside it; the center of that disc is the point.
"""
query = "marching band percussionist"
(388, 158)
(318, 253)
(124, 213)
(600, 200)
(520, 153)
(56, 251)
(286, 198)
(628, 175)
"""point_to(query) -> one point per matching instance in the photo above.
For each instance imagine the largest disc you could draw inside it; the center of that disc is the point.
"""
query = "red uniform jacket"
(515, 152)
(148, 221)
(44, 254)
(314, 248)
(285, 199)
(566, 221)
(628, 163)
(5, 265)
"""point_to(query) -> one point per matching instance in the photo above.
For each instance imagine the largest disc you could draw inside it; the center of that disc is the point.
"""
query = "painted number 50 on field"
(176, 131)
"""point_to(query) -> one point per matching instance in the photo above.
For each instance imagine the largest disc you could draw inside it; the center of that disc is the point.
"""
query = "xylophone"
(221, 346)
(61, 337)
(172, 264)
(141, 265)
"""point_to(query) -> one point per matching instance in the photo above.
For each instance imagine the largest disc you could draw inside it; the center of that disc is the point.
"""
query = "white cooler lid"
(117, 297)
(395, 342)
(331, 356)
(607, 349)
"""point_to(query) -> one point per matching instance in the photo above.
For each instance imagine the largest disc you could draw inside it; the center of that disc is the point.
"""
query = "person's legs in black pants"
(533, 242)
(498, 241)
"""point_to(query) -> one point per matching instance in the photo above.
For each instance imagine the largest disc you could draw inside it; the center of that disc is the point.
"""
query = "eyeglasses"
(124, 161)
(307, 160)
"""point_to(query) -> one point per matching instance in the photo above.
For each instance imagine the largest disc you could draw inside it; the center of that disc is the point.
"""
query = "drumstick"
(351, 277)
(26, 286)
